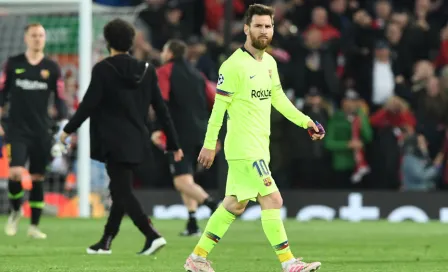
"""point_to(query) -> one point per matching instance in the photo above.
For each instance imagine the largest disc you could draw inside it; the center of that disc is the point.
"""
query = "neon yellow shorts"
(248, 179)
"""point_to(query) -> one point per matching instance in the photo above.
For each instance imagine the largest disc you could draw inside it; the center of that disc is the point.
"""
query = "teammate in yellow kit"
(248, 85)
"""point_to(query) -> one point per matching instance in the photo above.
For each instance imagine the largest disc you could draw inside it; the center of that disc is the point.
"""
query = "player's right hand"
(206, 157)
(2, 132)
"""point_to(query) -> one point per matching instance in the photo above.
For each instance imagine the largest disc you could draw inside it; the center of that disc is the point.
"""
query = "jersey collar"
(245, 50)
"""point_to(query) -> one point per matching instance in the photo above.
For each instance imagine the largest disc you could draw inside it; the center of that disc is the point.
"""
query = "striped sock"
(217, 226)
(36, 202)
(15, 194)
(276, 234)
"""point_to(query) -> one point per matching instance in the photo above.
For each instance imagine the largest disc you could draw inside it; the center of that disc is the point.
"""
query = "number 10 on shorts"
(261, 168)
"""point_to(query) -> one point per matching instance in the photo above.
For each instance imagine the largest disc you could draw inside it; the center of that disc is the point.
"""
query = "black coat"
(117, 101)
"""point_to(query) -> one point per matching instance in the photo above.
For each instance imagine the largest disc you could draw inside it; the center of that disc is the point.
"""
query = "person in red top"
(214, 16)
(442, 57)
(395, 113)
(320, 22)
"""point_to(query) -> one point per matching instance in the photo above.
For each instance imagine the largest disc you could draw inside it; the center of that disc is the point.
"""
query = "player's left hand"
(317, 135)
(206, 157)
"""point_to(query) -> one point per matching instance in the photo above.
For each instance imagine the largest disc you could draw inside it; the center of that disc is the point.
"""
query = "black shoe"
(211, 204)
(191, 232)
(152, 246)
(99, 248)
(191, 229)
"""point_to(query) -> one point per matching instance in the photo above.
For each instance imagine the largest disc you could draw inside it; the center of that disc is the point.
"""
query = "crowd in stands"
(374, 73)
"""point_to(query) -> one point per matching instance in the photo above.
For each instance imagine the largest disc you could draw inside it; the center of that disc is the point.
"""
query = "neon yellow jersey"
(246, 89)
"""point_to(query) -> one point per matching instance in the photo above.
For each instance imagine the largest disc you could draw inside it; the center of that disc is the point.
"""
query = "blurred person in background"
(28, 82)
(399, 50)
(339, 17)
(392, 124)
(432, 115)
(319, 21)
(383, 11)
(349, 131)
(444, 79)
(307, 160)
(423, 36)
(364, 35)
(189, 99)
(395, 113)
(316, 66)
(423, 70)
(160, 21)
(148, 24)
(442, 57)
(380, 77)
(198, 56)
(419, 171)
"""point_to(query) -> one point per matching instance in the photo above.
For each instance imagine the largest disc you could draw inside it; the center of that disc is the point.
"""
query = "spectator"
(399, 50)
(320, 22)
(442, 57)
(214, 13)
(316, 66)
(423, 38)
(380, 78)
(391, 124)
(338, 16)
(419, 172)
(423, 70)
(383, 10)
(307, 160)
(348, 132)
(396, 114)
(444, 79)
(148, 25)
(200, 59)
(432, 115)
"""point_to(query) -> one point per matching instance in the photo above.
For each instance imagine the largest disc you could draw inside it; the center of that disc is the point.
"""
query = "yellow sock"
(275, 232)
(217, 226)
(200, 252)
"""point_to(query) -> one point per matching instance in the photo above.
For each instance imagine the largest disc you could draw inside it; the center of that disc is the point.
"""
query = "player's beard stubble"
(261, 42)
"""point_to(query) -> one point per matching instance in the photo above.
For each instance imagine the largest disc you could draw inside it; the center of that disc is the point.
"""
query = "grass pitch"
(340, 246)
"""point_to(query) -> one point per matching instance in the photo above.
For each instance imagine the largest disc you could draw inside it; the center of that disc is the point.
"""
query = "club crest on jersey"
(267, 181)
(44, 73)
(270, 73)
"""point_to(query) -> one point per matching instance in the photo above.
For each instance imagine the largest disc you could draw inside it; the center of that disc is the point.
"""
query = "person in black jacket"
(189, 98)
(117, 102)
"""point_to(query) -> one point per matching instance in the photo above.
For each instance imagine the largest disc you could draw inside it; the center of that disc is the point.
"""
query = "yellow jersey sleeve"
(227, 82)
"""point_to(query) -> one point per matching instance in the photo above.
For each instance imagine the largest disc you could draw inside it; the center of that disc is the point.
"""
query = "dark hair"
(119, 35)
(257, 9)
(28, 26)
(177, 47)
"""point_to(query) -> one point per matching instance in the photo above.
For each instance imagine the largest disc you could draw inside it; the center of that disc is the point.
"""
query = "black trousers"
(124, 201)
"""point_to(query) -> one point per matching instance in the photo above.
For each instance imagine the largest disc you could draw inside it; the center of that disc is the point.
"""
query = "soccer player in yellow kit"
(248, 85)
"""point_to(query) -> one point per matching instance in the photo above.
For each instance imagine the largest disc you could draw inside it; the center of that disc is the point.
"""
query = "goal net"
(61, 21)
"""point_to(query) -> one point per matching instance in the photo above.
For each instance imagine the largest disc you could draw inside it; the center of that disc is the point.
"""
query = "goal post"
(85, 66)
(74, 40)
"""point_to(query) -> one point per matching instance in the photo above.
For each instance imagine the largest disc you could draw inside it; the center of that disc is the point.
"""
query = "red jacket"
(384, 118)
